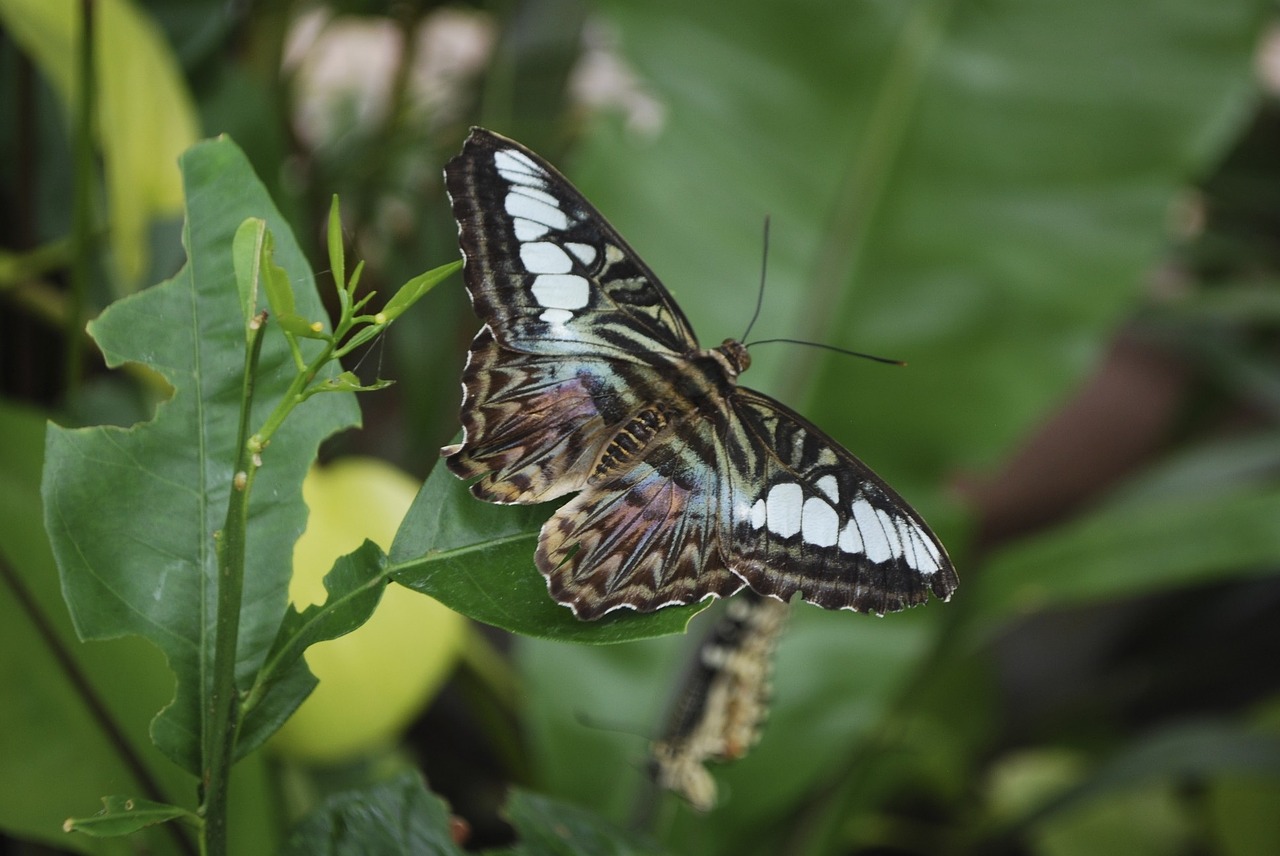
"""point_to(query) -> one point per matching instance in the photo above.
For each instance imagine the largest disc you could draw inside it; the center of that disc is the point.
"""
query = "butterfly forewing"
(587, 377)
(545, 269)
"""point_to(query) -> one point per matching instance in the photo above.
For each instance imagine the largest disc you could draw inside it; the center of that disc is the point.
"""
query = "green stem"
(294, 395)
(82, 214)
(222, 720)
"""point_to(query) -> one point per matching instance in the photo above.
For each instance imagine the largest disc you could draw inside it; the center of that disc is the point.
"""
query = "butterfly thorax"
(698, 383)
(704, 379)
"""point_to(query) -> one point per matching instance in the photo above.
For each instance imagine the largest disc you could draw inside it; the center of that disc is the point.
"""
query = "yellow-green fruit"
(374, 680)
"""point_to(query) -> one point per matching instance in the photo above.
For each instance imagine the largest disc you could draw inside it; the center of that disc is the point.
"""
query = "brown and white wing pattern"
(531, 423)
(809, 517)
(644, 533)
(585, 376)
(544, 268)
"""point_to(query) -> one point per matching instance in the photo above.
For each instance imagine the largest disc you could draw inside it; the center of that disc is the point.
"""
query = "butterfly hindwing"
(645, 535)
(544, 269)
(809, 517)
(530, 423)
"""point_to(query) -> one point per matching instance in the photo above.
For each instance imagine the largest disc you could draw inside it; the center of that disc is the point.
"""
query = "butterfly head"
(734, 356)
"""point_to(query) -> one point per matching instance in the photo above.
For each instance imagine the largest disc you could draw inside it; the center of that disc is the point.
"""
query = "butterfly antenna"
(764, 266)
(833, 348)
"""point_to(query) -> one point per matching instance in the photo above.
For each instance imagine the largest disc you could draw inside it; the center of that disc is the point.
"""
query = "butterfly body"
(587, 378)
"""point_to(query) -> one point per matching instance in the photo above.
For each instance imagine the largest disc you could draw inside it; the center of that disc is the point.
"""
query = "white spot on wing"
(890, 531)
(757, 514)
(585, 252)
(925, 562)
(850, 540)
(561, 291)
(828, 485)
(527, 230)
(875, 542)
(539, 195)
(519, 205)
(783, 509)
(521, 179)
(558, 317)
(517, 168)
(545, 257)
(933, 550)
(819, 522)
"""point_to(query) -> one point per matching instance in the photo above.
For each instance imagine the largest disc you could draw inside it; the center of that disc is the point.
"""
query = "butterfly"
(586, 377)
(724, 699)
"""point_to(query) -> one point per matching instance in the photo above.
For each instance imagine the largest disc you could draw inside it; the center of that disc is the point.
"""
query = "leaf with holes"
(132, 513)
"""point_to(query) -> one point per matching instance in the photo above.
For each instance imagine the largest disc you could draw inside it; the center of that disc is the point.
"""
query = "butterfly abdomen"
(633, 438)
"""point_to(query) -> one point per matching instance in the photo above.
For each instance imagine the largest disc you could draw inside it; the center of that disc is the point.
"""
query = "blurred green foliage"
(1064, 216)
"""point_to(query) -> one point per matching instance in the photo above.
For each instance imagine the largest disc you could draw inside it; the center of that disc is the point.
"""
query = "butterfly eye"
(737, 354)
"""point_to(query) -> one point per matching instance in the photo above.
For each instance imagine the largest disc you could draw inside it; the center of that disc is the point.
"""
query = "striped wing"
(574, 323)
(809, 517)
(531, 424)
(643, 536)
(749, 494)
(545, 270)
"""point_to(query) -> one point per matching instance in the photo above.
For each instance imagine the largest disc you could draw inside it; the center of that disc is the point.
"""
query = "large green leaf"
(353, 589)
(976, 188)
(1178, 753)
(131, 513)
(1125, 551)
(1202, 516)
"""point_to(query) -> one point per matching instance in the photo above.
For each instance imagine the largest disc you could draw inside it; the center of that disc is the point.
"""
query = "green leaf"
(354, 587)
(131, 512)
(247, 253)
(275, 281)
(349, 382)
(1187, 751)
(978, 191)
(1131, 548)
(126, 815)
(337, 254)
(477, 559)
(392, 818)
(546, 827)
(1245, 814)
(300, 325)
(413, 290)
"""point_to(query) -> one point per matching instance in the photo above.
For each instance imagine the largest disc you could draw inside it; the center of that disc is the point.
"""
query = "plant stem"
(222, 721)
(294, 395)
(82, 214)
